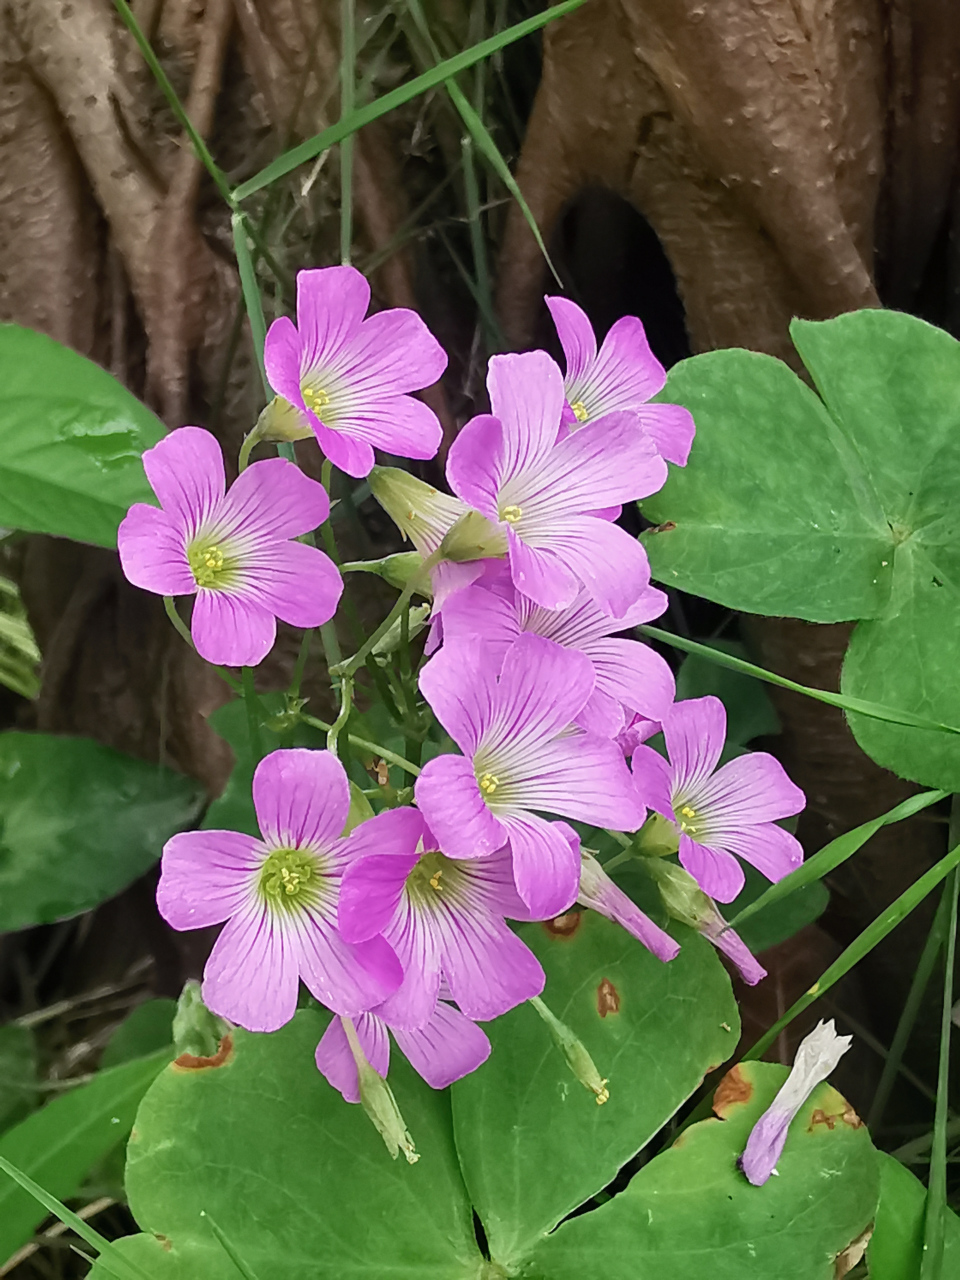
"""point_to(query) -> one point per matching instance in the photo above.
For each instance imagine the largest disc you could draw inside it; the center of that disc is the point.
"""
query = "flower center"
(687, 816)
(315, 398)
(580, 411)
(290, 878)
(488, 783)
(207, 564)
(511, 514)
(434, 879)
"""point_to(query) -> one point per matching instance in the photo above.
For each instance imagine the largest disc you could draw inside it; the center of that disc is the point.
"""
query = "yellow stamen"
(435, 880)
(206, 563)
(511, 514)
(489, 784)
(315, 398)
(686, 819)
(579, 411)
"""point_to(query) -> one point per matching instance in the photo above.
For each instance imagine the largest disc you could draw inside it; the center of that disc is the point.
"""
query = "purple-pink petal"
(526, 395)
(542, 688)
(353, 456)
(671, 428)
(474, 469)
(272, 500)
(231, 630)
(540, 572)
(716, 871)
(335, 1059)
(153, 552)
(694, 731)
(735, 949)
(546, 869)
(604, 558)
(449, 797)
(579, 776)
(626, 372)
(605, 462)
(600, 893)
(576, 336)
(185, 471)
(461, 687)
(447, 1048)
(393, 353)
(252, 976)
(348, 978)
(297, 583)
(206, 877)
(372, 888)
(633, 674)
(399, 424)
(281, 359)
(331, 304)
(302, 798)
(487, 967)
(753, 788)
(769, 848)
(651, 774)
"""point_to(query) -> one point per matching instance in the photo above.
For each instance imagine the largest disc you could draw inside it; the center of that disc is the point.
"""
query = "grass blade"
(861, 946)
(348, 58)
(251, 294)
(875, 710)
(113, 1260)
(298, 155)
(836, 852)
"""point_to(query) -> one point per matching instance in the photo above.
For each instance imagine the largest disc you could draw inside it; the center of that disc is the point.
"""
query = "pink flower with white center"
(352, 376)
(630, 679)
(817, 1056)
(623, 376)
(278, 896)
(444, 918)
(233, 551)
(522, 757)
(446, 1048)
(549, 494)
(719, 812)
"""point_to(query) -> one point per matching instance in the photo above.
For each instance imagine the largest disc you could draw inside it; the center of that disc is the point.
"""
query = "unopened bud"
(377, 1100)
(474, 537)
(396, 569)
(196, 1031)
(600, 893)
(421, 513)
(657, 838)
(281, 420)
(288, 718)
(417, 619)
(575, 1052)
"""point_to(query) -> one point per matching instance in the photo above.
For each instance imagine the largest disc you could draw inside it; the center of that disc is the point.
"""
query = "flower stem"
(352, 664)
(366, 745)
(346, 706)
(249, 440)
(178, 622)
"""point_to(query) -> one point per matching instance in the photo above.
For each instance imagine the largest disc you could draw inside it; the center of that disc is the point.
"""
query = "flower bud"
(196, 1031)
(377, 1100)
(658, 837)
(817, 1056)
(474, 537)
(600, 893)
(281, 420)
(422, 513)
(685, 901)
(575, 1052)
(396, 569)
(417, 619)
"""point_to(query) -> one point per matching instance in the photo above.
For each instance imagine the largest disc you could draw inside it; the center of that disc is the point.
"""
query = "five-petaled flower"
(630, 679)
(444, 917)
(623, 376)
(523, 756)
(278, 896)
(352, 376)
(232, 550)
(552, 497)
(719, 814)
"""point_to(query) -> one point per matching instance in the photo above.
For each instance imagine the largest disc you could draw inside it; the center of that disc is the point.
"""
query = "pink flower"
(278, 896)
(351, 376)
(629, 678)
(233, 551)
(599, 892)
(719, 814)
(523, 756)
(549, 495)
(623, 376)
(448, 1047)
(443, 917)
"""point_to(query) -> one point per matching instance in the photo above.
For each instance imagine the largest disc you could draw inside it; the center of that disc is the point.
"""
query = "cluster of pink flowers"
(401, 925)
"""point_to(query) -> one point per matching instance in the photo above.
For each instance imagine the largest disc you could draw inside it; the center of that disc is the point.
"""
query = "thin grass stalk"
(348, 71)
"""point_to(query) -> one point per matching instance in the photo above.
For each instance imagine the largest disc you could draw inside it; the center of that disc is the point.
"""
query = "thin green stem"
(331, 647)
(352, 665)
(326, 529)
(301, 663)
(346, 706)
(252, 704)
(170, 606)
(249, 440)
(908, 1017)
(348, 58)
(176, 106)
(251, 295)
(931, 1260)
(366, 745)
(875, 710)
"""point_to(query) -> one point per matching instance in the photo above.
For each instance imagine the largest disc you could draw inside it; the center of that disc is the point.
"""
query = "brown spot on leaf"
(666, 527)
(165, 1242)
(847, 1116)
(733, 1089)
(608, 998)
(848, 1258)
(191, 1062)
(564, 926)
(821, 1117)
